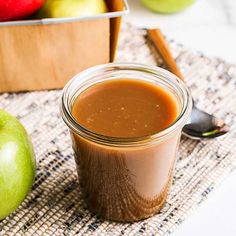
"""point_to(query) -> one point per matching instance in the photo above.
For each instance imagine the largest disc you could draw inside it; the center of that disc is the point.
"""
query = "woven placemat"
(54, 207)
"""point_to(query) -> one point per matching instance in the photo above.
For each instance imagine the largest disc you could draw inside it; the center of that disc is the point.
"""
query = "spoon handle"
(161, 45)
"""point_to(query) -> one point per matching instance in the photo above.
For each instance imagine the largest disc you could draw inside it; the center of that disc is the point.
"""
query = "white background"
(208, 26)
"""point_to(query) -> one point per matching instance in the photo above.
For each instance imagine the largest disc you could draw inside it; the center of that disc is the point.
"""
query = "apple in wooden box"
(45, 53)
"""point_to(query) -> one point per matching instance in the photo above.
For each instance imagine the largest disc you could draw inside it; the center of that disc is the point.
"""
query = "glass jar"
(125, 179)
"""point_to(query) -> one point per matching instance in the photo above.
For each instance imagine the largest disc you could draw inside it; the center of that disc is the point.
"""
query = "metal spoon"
(201, 124)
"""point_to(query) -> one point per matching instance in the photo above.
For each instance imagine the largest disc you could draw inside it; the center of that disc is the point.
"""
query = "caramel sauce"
(125, 183)
(125, 108)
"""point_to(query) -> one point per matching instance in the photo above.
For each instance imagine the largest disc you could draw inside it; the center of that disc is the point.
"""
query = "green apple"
(167, 6)
(71, 8)
(17, 164)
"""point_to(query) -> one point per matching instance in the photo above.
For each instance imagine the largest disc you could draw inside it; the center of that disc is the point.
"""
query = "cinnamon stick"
(158, 40)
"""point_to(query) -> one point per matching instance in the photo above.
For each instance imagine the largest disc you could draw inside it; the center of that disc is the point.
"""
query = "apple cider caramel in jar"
(125, 122)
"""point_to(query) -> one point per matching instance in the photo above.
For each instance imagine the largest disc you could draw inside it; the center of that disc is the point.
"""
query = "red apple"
(18, 9)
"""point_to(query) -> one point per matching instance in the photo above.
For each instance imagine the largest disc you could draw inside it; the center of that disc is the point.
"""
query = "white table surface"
(208, 26)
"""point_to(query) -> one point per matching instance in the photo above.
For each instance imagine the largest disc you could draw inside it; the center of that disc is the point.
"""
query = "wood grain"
(158, 40)
(46, 56)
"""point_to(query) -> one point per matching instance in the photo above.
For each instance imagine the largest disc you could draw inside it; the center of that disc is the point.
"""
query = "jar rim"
(122, 141)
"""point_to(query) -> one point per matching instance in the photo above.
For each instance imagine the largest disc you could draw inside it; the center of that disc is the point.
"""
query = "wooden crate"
(45, 54)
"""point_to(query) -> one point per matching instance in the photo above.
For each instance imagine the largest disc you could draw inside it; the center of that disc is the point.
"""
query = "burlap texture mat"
(55, 207)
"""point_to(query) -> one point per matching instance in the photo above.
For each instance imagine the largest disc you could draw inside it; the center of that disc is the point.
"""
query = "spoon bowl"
(202, 125)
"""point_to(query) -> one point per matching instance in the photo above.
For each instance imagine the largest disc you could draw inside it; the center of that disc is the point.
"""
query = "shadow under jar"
(125, 175)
